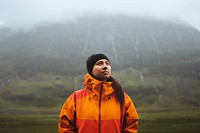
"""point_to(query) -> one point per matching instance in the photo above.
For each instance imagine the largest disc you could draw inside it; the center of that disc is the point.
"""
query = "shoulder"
(126, 96)
(81, 93)
(76, 94)
(127, 99)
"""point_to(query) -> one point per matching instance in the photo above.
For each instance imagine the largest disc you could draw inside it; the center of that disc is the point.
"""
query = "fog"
(26, 14)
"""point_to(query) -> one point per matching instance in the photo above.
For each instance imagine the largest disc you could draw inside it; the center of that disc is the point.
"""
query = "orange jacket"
(95, 112)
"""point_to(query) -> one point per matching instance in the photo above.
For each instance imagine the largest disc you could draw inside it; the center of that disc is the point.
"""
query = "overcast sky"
(27, 13)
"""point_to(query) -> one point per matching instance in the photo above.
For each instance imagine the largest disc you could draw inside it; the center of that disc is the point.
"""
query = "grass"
(170, 121)
(28, 123)
(151, 121)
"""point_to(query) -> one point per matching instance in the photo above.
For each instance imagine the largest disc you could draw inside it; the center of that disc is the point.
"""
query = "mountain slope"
(159, 52)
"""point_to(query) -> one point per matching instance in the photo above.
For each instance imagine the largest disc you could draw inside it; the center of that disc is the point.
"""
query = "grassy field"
(151, 121)
(170, 121)
(28, 123)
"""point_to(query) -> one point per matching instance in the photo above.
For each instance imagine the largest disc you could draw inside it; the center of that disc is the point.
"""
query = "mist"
(156, 62)
(22, 14)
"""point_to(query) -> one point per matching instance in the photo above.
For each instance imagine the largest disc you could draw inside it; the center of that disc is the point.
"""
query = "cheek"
(109, 68)
(95, 70)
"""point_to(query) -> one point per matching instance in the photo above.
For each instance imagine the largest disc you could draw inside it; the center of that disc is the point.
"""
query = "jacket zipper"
(100, 96)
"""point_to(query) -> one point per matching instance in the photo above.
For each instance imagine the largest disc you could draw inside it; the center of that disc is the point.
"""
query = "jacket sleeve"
(130, 124)
(66, 118)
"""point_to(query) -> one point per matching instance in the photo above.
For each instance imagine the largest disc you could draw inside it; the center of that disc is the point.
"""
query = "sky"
(18, 14)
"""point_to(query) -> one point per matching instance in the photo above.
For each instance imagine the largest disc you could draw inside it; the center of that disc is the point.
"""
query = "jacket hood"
(95, 85)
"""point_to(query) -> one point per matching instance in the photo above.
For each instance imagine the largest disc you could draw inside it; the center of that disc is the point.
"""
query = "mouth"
(105, 72)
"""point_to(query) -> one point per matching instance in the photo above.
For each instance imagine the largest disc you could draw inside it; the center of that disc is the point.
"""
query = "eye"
(99, 63)
(108, 63)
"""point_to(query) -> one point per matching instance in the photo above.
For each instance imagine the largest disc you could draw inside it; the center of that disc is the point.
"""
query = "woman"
(101, 107)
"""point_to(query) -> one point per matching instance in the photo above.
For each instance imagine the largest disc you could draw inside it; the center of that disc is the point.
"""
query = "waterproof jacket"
(95, 109)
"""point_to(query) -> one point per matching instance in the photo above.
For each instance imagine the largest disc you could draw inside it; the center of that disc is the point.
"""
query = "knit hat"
(93, 59)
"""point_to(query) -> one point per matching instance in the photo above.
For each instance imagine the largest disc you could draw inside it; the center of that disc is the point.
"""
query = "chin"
(106, 77)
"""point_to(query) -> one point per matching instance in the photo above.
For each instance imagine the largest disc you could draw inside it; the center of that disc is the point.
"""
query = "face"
(102, 70)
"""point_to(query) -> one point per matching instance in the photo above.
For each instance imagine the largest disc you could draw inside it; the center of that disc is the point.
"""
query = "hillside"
(157, 62)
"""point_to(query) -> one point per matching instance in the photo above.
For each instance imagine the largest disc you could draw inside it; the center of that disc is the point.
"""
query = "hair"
(118, 90)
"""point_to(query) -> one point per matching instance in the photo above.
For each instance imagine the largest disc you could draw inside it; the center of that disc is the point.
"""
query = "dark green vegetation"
(157, 63)
(170, 121)
(151, 121)
(28, 123)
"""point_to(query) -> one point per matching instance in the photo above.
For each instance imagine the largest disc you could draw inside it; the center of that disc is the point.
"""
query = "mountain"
(157, 61)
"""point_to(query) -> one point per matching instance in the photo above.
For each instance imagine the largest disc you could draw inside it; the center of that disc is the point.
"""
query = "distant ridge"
(159, 48)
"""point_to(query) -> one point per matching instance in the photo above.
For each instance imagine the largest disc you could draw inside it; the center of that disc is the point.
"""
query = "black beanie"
(93, 59)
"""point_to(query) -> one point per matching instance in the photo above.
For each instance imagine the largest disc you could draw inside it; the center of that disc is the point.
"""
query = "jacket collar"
(95, 85)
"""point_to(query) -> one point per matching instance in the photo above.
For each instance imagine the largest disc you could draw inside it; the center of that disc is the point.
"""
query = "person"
(102, 106)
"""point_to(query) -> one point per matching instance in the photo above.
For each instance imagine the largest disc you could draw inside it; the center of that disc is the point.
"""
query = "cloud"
(26, 13)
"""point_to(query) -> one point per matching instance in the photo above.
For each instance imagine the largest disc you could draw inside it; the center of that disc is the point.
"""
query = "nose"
(105, 65)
